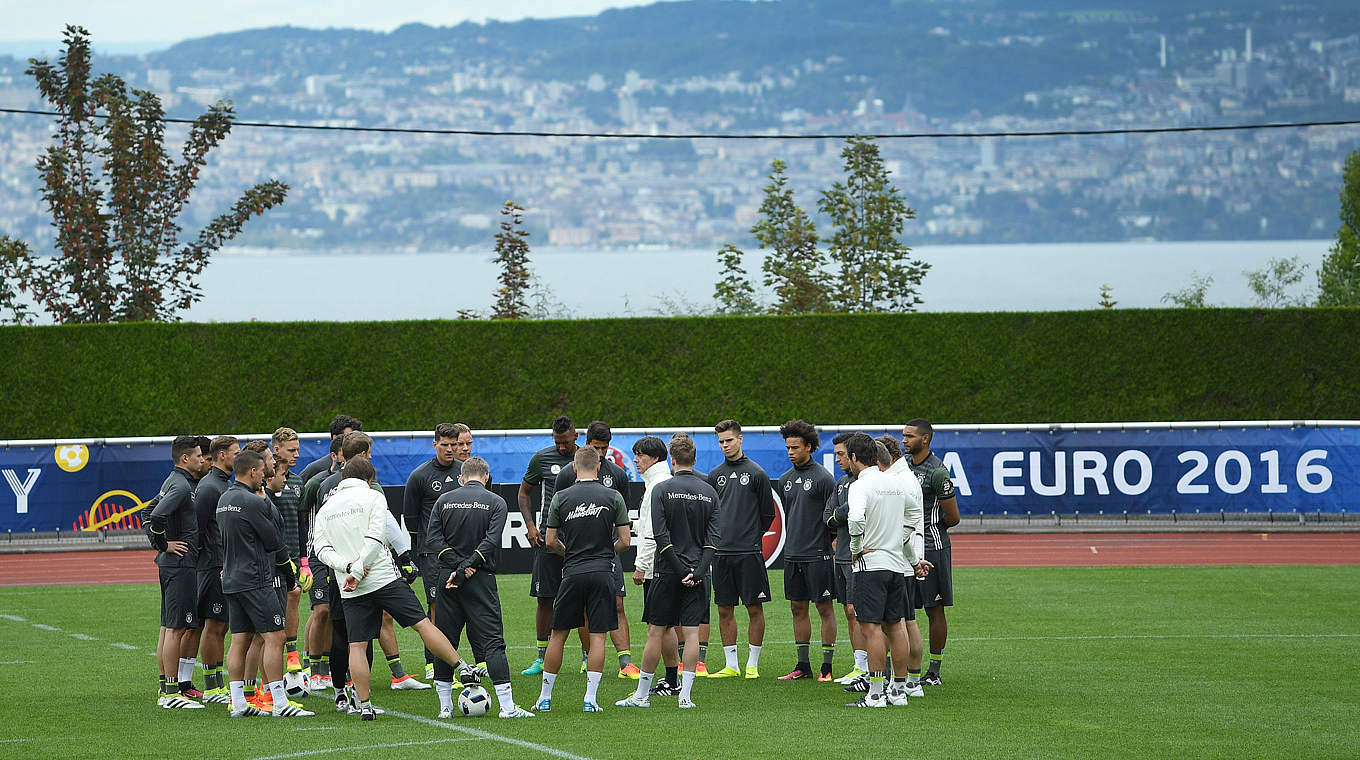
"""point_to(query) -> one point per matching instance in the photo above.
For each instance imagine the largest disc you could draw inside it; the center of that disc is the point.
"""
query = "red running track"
(969, 550)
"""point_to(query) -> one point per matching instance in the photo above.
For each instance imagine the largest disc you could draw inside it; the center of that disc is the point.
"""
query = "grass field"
(1177, 662)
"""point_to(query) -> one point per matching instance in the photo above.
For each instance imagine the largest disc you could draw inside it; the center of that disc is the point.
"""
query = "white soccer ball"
(474, 702)
(295, 684)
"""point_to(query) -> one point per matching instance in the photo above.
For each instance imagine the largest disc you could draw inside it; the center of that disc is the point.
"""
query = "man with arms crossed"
(544, 467)
(583, 522)
(942, 513)
(173, 530)
(746, 509)
(808, 568)
(878, 503)
(464, 533)
(685, 526)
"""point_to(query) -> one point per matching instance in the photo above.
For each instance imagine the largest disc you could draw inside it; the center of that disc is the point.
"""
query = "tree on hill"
(115, 194)
(512, 253)
(876, 271)
(1339, 274)
(793, 265)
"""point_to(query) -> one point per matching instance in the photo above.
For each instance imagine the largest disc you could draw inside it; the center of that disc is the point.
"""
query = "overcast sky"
(122, 22)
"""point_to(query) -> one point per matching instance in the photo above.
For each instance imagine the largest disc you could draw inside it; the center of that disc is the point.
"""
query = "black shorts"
(880, 596)
(476, 606)
(620, 587)
(845, 583)
(740, 578)
(282, 592)
(363, 614)
(586, 596)
(320, 595)
(670, 602)
(212, 604)
(432, 577)
(547, 575)
(255, 611)
(937, 590)
(810, 581)
(913, 595)
(337, 605)
(179, 598)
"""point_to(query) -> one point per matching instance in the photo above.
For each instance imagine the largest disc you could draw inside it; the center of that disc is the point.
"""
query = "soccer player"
(649, 454)
(251, 545)
(746, 509)
(425, 485)
(835, 515)
(318, 636)
(942, 513)
(685, 526)
(878, 503)
(913, 524)
(285, 491)
(701, 670)
(342, 424)
(612, 476)
(588, 526)
(173, 529)
(808, 566)
(212, 605)
(464, 533)
(541, 474)
(351, 535)
(462, 447)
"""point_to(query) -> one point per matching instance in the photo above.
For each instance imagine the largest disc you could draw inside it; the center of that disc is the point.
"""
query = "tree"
(1192, 295)
(512, 253)
(793, 266)
(1272, 282)
(115, 194)
(1107, 296)
(876, 271)
(733, 291)
(1339, 274)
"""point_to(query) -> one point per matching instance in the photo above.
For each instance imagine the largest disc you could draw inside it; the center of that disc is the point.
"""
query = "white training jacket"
(914, 520)
(878, 509)
(351, 531)
(646, 553)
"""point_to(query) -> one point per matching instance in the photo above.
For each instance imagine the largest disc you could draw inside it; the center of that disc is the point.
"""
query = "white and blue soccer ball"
(474, 702)
(295, 684)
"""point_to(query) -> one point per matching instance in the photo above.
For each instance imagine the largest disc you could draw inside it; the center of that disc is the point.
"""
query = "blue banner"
(92, 485)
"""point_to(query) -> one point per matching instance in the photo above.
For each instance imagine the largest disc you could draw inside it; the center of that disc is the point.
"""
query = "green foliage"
(1107, 296)
(733, 291)
(1192, 295)
(121, 258)
(876, 273)
(1339, 275)
(793, 266)
(512, 253)
(1122, 364)
(1272, 283)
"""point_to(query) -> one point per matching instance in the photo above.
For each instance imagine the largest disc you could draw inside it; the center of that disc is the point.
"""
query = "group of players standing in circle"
(875, 541)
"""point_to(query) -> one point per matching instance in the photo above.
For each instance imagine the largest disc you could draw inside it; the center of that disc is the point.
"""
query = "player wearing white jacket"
(351, 538)
(914, 528)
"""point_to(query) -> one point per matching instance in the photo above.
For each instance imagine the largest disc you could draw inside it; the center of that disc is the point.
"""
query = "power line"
(776, 136)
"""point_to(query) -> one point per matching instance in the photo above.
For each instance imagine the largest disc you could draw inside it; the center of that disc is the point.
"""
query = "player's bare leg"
(214, 640)
(939, 635)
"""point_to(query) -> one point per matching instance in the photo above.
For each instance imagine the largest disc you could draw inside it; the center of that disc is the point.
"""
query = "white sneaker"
(869, 700)
(633, 701)
(446, 712)
(249, 711)
(687, 704)
(176, 702)
(897, 696)
(409, 683)
(516, 712)
(291, 710)
(316, 684)
(915, 690)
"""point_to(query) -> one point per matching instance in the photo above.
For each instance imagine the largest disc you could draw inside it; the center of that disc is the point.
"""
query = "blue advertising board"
(87, 485)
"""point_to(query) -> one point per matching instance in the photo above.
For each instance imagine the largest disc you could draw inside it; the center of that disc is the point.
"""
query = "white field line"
(85, 636)
(1110, 637)
(488, 735)
(19, 662)
(45, 627)
(344, 750)
(14, 618)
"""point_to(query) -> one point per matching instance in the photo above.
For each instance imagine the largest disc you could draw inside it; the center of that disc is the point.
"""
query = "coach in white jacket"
(351, 538)
(891, 461)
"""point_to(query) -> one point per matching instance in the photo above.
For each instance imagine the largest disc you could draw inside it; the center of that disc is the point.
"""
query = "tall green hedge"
(161, 379)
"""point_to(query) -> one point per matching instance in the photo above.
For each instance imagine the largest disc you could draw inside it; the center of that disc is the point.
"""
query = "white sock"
(730, 654)
(861, 659)
(753, 657)
(644, 686)
(186, 669)
(548, 680)
(592, 684)
(280, 695)
(238, 694)
(686, 683)
(445, 691)
(505, 696)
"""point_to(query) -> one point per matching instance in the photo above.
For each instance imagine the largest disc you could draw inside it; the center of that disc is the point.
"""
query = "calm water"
(243, 284)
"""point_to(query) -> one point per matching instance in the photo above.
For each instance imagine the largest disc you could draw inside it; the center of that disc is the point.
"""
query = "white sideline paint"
(121, 645)
(45, 627)
(342, 750)
(15, 618)
(1099, 637)
(19, 662)
(87, 637)
(488, 735)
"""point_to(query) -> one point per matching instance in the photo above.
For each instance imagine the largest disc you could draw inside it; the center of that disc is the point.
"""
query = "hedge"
(1119, 365)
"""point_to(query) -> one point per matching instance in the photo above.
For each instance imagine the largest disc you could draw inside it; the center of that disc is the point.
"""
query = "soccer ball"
(295, 684)
(71, 458)
(474, 702)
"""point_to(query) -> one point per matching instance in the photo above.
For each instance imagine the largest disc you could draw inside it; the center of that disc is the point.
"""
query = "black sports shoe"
(860, 685)
(663, 688)
(870, 700)
(931, 679)
(366, 713)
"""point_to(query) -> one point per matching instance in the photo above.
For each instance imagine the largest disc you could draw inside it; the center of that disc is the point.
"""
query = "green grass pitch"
(1047, 663)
